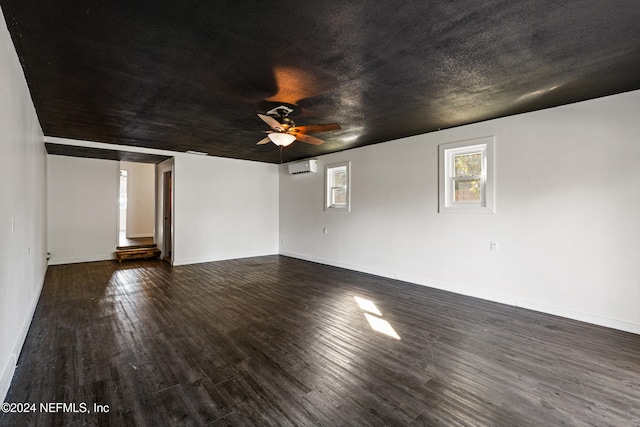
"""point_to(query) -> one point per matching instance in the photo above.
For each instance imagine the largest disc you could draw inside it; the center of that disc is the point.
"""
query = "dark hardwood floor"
(279, 341)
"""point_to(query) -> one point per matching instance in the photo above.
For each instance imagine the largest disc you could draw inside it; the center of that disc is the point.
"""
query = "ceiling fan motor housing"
(287, 123)
(280, 111)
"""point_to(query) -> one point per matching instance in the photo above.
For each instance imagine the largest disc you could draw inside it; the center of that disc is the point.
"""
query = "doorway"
(136, 215)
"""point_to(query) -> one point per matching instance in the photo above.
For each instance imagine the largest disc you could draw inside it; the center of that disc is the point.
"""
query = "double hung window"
(466, 176)
(337, 186)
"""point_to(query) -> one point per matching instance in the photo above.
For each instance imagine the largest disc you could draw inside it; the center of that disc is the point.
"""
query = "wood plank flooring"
(275, 341)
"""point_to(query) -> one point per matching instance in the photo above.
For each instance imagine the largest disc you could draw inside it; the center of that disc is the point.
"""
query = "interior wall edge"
(106, 146)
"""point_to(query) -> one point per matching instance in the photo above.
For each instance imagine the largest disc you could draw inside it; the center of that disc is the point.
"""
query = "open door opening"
(136, 215)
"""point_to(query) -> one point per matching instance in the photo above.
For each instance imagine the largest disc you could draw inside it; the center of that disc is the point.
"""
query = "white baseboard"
(75, 260)
(224, 257)
(568, 313)
(7, 375)
(10, 368)
(607, 322)
(362, 269)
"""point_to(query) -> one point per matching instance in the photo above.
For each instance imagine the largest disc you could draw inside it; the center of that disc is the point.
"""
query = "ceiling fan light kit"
(281, 139)
(284, 130)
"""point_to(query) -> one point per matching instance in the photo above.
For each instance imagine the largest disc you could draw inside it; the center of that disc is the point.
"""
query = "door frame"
(165, 196)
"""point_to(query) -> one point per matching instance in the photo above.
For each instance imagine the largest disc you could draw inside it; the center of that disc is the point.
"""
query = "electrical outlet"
(493, 246)
(324, 230)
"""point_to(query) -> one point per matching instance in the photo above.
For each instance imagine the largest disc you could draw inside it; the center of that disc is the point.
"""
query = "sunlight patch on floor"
(374, 317)
(381, 325)
(367, 305)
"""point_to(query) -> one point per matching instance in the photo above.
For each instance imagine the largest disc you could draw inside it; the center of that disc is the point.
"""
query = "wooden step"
(128, 247)
(137, 253)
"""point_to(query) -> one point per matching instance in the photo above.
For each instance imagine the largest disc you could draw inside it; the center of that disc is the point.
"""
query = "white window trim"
(327, 189)
(446, 152)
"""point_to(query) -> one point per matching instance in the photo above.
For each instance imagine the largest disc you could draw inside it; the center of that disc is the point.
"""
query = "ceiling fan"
(284, 130)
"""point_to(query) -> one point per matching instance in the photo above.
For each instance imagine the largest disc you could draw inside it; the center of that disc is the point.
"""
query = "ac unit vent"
(307, 166)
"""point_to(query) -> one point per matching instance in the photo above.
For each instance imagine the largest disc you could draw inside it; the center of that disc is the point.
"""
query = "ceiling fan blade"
(264, 141)
(317, 128)
(271, 122)
(308, 139)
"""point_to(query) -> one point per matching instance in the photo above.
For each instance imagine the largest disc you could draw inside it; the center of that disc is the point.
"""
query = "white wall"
(567, 221)
(224, 208)
(141, 202)
(82, 209)
(23, 261)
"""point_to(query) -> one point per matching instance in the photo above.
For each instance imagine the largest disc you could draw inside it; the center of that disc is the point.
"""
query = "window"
(337, 186)
(466, 176)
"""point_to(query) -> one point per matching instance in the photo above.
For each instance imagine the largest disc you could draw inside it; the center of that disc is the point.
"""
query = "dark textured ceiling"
(191, 75)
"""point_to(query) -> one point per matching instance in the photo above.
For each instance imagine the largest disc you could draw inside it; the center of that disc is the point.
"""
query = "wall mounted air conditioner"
(307, 166)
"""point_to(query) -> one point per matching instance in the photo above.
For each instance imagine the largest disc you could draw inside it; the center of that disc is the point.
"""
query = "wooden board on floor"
(137, 253)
